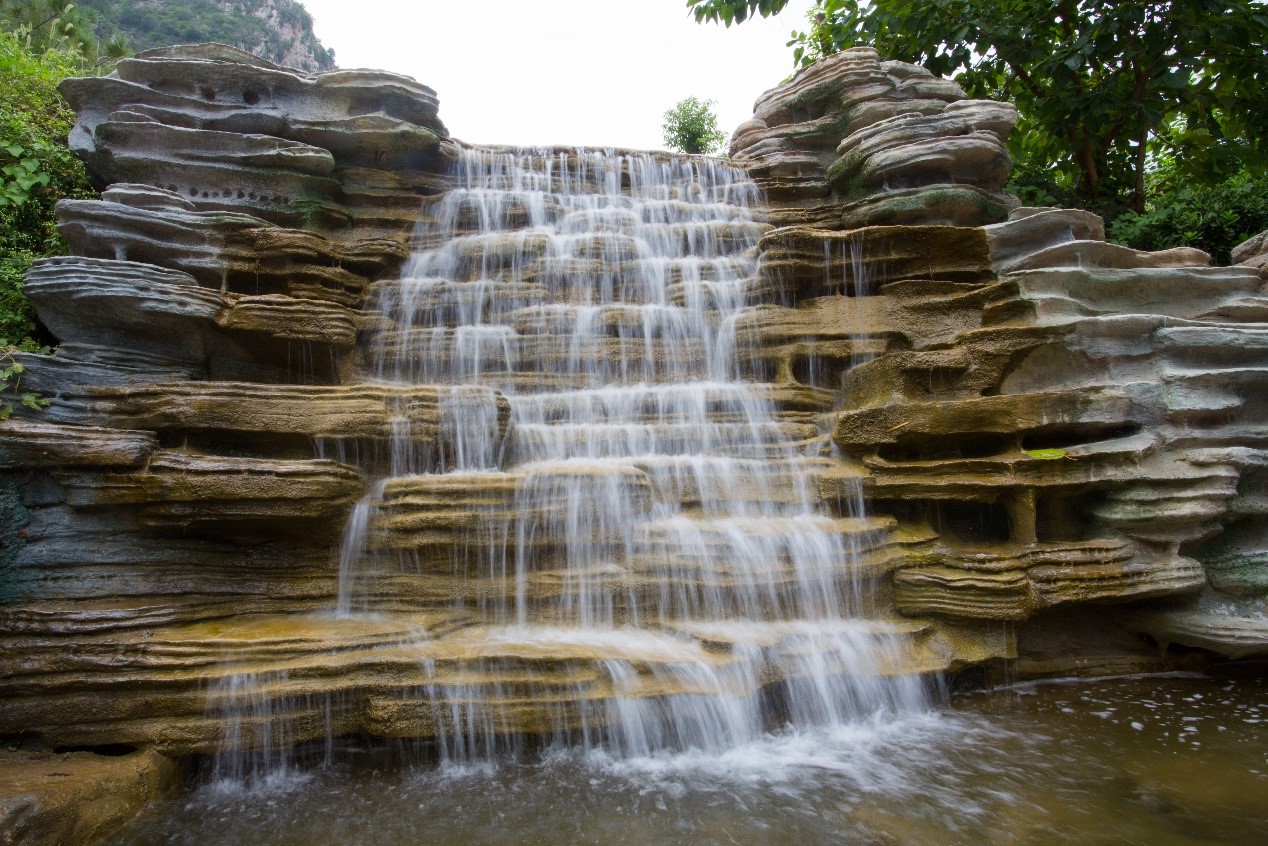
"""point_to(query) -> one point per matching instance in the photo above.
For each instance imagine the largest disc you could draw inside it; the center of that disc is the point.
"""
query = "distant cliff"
(278, 30)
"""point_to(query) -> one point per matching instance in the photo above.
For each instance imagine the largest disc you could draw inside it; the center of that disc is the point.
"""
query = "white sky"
(568, 72)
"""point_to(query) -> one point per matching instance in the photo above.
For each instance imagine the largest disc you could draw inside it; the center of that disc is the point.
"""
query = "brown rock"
(48, 798)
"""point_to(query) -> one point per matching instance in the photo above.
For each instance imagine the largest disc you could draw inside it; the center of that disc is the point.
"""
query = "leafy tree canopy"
(692, 127)
(1104, 87)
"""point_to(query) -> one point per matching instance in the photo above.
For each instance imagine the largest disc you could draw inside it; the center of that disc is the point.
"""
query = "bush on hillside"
(37, 169)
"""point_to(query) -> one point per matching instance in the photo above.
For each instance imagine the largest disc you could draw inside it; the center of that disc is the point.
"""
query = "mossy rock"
(949, 205)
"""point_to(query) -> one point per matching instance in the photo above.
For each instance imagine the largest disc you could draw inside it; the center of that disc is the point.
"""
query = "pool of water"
(1158, 760)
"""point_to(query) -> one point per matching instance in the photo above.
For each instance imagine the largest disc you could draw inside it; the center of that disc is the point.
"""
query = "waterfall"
(659, 535)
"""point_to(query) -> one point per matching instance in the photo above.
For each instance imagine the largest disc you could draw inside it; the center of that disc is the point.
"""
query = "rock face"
(196, 459)
(1055, 436)
(1253, 253)
(348, 152)
(852, 141)
(77, 797)
(1078, 422)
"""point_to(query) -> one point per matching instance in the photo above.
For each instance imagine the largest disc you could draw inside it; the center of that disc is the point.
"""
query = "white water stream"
(664, 516)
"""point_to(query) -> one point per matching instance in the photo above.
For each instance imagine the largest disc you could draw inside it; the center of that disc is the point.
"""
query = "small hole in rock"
(208, 93)
(250, 98)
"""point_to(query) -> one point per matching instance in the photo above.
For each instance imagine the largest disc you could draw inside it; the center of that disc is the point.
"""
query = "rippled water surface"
(1137, 761)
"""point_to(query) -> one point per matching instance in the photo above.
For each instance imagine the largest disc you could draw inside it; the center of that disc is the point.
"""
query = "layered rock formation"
(1060, 440)
(1078, 422)
(204, 369)
(852, 141)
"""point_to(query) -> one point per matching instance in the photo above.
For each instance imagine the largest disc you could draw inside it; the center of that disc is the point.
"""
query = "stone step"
(498, 356)
(635, 591)
(269, 414)
(667, 284)
(667, 402)
(512, 250)
(404, 675)
(479, 209)
(605, 440)
(524, 195)
(1014, 584)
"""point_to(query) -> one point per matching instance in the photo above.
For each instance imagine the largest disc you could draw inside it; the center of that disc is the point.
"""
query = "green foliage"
(11, 393)
(733, 11)
(36, 170)
(692, 127)
(1047, 454)
(1098, 83)
(45, 25)
(1215, 218)
(232, 22)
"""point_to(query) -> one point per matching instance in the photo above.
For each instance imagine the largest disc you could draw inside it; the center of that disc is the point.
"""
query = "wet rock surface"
(1077, 422)
(1050, 431)
(77, 797)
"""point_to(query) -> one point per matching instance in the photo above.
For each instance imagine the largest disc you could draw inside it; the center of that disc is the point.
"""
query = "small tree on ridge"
(692, 127)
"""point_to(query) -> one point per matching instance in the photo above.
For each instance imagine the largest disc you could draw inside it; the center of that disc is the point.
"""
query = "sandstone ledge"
(53, 799)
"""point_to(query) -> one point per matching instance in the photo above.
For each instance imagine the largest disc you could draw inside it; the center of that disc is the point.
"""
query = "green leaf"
(1046, 454)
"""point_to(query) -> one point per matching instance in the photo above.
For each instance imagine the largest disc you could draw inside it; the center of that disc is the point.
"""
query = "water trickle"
(647, 566)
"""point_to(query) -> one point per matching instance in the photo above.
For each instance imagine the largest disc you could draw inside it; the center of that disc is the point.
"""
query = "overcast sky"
(570, 72)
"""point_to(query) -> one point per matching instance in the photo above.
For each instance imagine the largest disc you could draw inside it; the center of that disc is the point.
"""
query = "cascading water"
(657, 536)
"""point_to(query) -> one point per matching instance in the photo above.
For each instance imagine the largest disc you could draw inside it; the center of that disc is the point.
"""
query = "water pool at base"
(1165, 761)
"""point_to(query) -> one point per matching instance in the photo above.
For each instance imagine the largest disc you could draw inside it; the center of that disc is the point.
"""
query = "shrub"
(37, 169)
(692, 127)
(1215, 218)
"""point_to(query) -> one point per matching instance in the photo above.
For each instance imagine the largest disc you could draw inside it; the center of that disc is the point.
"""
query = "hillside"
(279, 30)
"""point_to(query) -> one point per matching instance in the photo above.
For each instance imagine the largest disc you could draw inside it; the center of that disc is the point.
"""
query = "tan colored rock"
(49, 799)
(225, 251)
(337, 413)
(1253, 253)
(176, 490)
(801, 262)
(1016, 584)
(291, 319)
(139, 315)
(1232, 628)
(29, 444)
(852, 141)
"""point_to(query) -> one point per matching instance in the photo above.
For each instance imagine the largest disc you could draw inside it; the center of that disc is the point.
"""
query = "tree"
(692, 127)
(36, 170)
(1103, 86)
(1179, 210)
